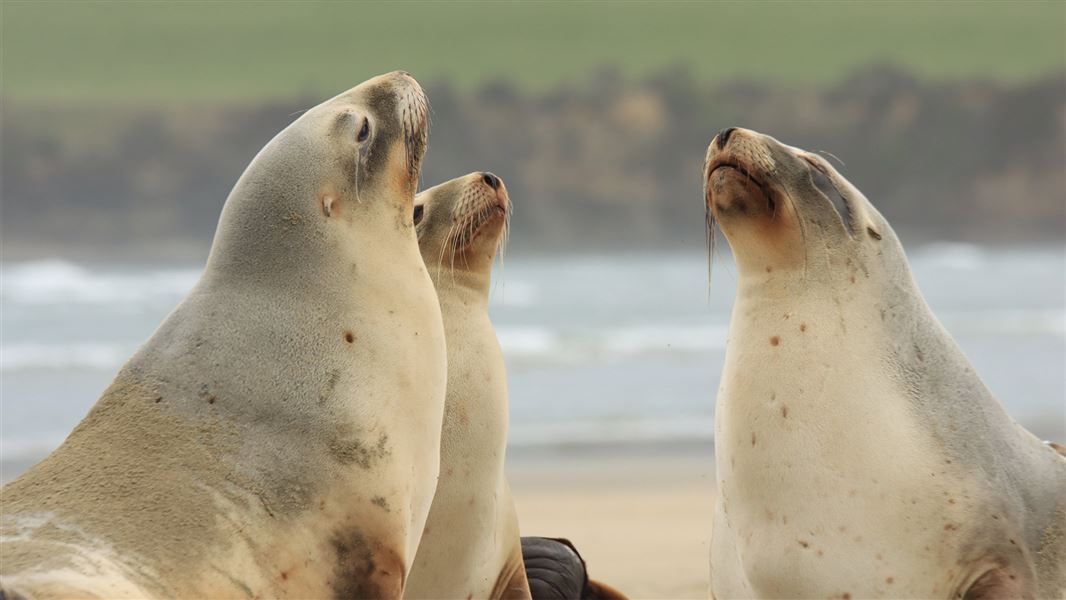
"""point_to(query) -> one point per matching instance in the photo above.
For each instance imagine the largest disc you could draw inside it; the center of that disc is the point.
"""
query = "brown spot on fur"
(852, 278)
(158, 399)
(380, 502)
(210, 399)
(889, 579)
(775, 340)
(846, 596)
(820, 553)
(784, 411)
(753, 439)
(284, 575)
(769, 269)
(365, 568)
(803, 543)
(950, 527)
(803, 327)
(349, 337)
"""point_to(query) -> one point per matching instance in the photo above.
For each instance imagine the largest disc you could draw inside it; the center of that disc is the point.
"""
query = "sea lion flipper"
(553, 567)
(556, 571)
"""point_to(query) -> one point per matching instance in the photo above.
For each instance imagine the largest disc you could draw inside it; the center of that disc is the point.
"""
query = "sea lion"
(470, 547)
(858, 453)
(270, 439)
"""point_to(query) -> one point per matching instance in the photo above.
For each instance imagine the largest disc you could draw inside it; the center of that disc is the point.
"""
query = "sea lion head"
(786, 210)
(345, 170)
(461, 224)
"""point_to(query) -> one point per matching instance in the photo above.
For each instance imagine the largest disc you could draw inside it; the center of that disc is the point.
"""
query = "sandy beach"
(640, 516)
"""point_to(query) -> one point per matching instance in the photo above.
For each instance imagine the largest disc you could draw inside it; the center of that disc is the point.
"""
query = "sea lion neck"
(469, 286)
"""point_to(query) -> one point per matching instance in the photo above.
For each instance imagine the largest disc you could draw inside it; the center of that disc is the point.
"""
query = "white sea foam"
(53, 282)
(608, 430)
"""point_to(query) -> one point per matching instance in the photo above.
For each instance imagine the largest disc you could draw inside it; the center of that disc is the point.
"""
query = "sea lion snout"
(491, 180)
(723, 136)
(739, 169)
(499, 190)
(466, 216)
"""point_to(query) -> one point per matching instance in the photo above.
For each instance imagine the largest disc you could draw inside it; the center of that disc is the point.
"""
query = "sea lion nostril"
(491, 180)
(723, 136)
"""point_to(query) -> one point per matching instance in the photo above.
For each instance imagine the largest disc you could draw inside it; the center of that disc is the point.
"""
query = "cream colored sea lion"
(470, 547)
(858, 453)
(270, 439)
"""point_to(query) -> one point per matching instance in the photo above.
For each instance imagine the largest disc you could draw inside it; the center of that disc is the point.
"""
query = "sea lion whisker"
(827, 153)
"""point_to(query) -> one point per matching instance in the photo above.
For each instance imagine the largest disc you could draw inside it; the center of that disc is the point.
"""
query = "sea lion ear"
(327, 204)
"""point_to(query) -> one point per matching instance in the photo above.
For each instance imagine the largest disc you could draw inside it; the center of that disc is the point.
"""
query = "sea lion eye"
(830, 191)
(365, 131)
(418, 213)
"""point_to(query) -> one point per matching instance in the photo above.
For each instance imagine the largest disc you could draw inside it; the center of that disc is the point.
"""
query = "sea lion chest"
(821, 462)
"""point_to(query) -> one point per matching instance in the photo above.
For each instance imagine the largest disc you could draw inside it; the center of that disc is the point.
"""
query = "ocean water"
(599, 349)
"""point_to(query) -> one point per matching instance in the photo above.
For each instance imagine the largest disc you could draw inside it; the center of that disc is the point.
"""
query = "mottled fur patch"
(365, 568)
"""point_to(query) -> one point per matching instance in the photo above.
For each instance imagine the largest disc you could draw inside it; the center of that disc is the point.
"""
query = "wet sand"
(640, 518)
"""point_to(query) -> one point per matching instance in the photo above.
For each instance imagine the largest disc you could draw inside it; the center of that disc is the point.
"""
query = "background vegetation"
(125, 123)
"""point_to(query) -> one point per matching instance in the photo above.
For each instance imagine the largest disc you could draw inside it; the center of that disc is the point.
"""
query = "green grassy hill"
(71, 52)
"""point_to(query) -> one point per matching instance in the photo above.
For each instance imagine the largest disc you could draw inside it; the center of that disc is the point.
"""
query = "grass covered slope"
(137, 52)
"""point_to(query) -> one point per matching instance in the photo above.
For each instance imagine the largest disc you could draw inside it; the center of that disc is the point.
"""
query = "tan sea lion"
(470, 547)
(858, 453)
(270, 439)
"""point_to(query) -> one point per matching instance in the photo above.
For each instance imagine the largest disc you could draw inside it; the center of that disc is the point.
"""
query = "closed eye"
(825, 185)
(364, 132)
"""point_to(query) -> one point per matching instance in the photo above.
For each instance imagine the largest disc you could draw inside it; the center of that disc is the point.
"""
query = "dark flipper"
(556, 571)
